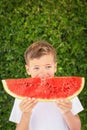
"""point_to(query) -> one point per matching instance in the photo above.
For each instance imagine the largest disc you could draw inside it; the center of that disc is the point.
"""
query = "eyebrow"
(48, 64)
(36, 65)
(45, 64)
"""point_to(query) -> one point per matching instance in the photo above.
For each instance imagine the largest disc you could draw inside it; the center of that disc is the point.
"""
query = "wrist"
(26, 115)
(66, 112)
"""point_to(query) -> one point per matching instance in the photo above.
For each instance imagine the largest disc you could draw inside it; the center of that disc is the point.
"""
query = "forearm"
(26, 107)
(73, 121)
(24, 122)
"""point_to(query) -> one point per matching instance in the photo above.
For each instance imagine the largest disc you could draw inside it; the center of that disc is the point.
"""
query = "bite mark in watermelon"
(48, 89)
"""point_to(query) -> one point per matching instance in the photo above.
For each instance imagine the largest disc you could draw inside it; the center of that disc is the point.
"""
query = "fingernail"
(61, 100)
(29, 98)
(33, 98)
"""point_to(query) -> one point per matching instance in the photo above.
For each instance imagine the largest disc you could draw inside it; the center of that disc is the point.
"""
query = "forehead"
(46, 59)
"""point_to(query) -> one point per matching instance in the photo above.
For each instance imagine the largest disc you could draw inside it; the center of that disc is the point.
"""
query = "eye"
(36, 68)
(48, 66)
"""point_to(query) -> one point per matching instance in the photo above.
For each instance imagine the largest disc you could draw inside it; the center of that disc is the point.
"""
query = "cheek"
(34, 74)
(51, 73)
(54, 69)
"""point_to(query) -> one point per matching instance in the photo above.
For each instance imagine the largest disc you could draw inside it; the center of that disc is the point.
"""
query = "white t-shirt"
(45, 115)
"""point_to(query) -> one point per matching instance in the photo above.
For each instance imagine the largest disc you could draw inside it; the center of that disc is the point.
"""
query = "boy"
(29, 114)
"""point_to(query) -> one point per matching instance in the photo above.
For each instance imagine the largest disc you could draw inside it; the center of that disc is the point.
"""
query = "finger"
(27, 103)
(29, 108)
(64, 103)
(23, 103)
(65, 106)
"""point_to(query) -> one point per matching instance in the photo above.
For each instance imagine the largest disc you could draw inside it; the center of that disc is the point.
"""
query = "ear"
(55, 67)
(27, 69)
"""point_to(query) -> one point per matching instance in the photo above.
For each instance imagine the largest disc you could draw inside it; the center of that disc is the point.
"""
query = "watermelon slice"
(46, 89)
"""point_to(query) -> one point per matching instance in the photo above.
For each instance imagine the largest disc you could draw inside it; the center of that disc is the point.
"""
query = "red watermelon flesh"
(47, 89)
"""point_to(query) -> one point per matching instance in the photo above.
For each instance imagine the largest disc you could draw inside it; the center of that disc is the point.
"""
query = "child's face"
(41, 67)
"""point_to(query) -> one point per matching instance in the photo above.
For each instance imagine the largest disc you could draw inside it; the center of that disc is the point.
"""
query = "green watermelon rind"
(40, 99)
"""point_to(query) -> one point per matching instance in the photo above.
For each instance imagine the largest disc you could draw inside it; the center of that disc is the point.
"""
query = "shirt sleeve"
(16, 113)
(76, 106)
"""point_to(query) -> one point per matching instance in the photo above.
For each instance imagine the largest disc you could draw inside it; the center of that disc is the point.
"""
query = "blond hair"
(38, 49)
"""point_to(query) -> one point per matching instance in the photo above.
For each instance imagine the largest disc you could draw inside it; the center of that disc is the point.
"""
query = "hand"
(65, 105)
(27, 105)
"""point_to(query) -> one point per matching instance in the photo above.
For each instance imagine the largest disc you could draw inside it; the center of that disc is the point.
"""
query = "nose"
(42, 73)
